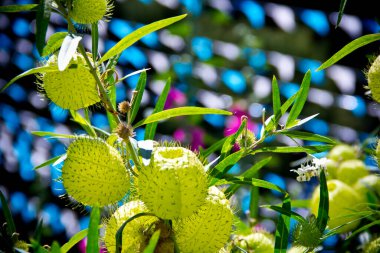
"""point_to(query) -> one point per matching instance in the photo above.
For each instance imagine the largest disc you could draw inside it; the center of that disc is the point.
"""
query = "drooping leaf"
(222, 168)
(283, 228)
(19, 8)
(11, 227)
(54, 43)
(138, 34)
(68, 48)
(308, 136)
(258, 183)
(32, 71)
(300, 99)
(53, 135)
(78, 118)
(294, 149)
(42, 22)
(341, 11)
(349, 48)
(55, 248)
(180, 111)
(93, 231)
(140, 88)
(48, 162)
(286, 212)
(150, 129)
(95, 40)
(152, 242)
(247, 175)
(74, 240)
(323, 208)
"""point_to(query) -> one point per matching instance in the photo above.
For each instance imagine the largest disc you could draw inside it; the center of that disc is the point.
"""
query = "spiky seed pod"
(124, 107)
(89, 11)
(307, 233)
(246, 139)
(174, 185)
(124, 131)
(208, 229)
(373, 77)
(74, 88)
(136, 233)
(342, 152)
(350, 171)
(343, 201)
(258, 242)
(94, 173)
(373, 246)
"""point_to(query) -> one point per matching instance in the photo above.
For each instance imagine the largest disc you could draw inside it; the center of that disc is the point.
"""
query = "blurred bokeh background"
(223, 55)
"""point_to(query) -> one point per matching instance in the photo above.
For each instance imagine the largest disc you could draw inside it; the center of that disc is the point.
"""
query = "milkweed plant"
(152, 196)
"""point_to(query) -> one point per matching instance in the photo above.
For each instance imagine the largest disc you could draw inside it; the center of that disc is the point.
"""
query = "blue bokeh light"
(316, 20)
(234, 80)
(254, 12)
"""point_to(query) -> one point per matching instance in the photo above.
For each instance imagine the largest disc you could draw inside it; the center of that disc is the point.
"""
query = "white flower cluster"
(312, 169)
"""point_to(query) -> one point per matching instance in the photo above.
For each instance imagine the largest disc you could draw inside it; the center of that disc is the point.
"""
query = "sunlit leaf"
(308, 136)
(222, 167)
(19, 8)
(78, 118)
(55, 248)
(276, 99)
(286, 212)
(53, 135)
(42, 22)
(48, 162)
(93, 231)
(294, 149)
(283, 228)
(152, 242)
(74, 240)
(54, 43)
(94, 40)
(140, 88)
(323, 208)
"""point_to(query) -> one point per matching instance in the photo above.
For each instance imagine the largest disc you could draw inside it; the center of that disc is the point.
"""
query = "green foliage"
(93, 231)
(136, 99)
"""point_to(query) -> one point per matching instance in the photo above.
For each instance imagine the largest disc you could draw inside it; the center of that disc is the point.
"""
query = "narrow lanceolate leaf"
(213, 148)
(138, 34)
(18, 8)
(38, 232)
(300, 99)
(363, 228)
(341, 11)
(180, 111)
(283, 228)
(323, 208)
(350, 47)
(301, 122)
(53, 135)
(55, 248)
(83, 122)
(11, 228)
(231, 140)
(48, 162)
(286, 212)
(42, 22)
(247, 175)
(32, 71)
(54, 43)
(137, 98)
(95, 40)
(222, 168)
(93, 231)
(276, 98)
(150, 129)
(273, 123)
(67, 51)
(257, 182)
(308, 136)
(74, 240)
(294, 149)
(152, 242)
(112, 97)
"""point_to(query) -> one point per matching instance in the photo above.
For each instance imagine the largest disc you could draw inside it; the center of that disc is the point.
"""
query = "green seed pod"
(307, 234)
(342, 152)
(373, 77)
(74, 88)
(89, 11)
(370, 183)
(373, 246)
(350, 171)
(135, 234)
(332, 168)
(258, 242)
(246, 139)
(174, 185)
(208, 229)
(94, 173)
(296, 249)
(343, 200)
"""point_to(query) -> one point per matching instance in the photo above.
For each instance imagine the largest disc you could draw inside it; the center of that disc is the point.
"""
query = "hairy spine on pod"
(90, 11)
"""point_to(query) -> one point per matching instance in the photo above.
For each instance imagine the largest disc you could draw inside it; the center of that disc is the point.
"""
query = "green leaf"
(93, 231)
(140, 88)
(301, 203)
(298, 122)
(267, 185)
(11, 227)
(180, 111)
(276, 98)
(38, 233)
(341, 10)
(286, 212)
(112, 96)
(213, 148)
(350, 47)
(78, 118)
(27, 73)
(68, 49)
(294, 149)
(308, 136)
(363, 228)
(283, 228)
(254, 202)
(54, 43)
(95, 40)
(231, 140)
(48, 162)
(300, 100)
(323, 208)
(55, 248)
(119, 233)
(137, 35)
(150, 129)
(248, 174)
(222, 168)
(152, 242)
(273, 123)
(18, 8)
(53, 135)
(42, 22)
(74, 240)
